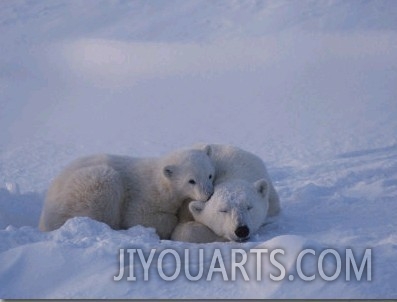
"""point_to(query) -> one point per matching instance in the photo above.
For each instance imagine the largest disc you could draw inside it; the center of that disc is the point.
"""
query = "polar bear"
(125, 191)
(236, 210)
(237, 173)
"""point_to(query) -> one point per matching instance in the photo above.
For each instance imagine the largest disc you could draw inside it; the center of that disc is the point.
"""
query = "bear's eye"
(223, 211)
(210, 177)
(192, 182)
(249, 208)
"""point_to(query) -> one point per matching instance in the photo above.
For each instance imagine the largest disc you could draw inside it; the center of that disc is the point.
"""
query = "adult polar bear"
(244, 196)
(125, 191)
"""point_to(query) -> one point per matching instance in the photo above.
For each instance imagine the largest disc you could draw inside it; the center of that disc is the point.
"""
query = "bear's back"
(234, 163)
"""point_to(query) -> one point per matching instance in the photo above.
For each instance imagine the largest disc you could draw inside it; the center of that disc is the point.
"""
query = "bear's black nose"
(242, 231)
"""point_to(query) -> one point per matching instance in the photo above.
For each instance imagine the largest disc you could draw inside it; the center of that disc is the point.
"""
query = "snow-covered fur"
(125, 191)
(241, 183)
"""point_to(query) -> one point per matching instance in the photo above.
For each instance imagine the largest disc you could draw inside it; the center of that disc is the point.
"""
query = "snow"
(307, 86)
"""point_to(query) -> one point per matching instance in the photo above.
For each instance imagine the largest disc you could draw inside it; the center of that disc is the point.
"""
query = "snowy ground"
(309, 87)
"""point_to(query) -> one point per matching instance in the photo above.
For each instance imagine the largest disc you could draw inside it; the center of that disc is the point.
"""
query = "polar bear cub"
(244, 197)
(125, 191)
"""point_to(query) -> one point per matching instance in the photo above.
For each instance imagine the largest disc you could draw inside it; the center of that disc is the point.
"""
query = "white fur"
(241, 183)
(193, 231)
(125, 191)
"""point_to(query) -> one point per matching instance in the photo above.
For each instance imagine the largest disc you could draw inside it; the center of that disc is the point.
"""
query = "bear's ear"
(196, 207)
(262, 187)
(207, 149)
(169, 171)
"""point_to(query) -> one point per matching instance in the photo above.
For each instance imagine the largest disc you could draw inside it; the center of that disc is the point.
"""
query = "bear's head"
(190, 174)
(236, 210)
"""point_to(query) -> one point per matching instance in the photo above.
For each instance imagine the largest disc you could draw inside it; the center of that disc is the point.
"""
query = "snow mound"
(81, 258)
